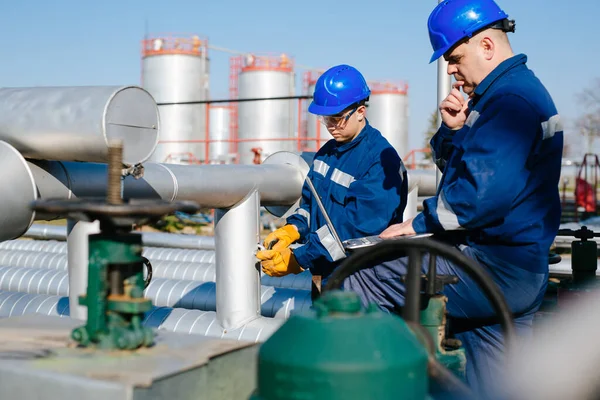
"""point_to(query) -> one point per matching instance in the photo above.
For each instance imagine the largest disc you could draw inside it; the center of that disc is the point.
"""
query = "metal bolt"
(115, 165)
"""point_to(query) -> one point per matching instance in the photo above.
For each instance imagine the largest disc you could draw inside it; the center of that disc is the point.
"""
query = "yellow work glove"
(279, 262)
(282, 237)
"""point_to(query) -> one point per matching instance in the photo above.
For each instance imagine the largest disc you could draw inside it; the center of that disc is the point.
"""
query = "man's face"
(345, 126)
(464, 63)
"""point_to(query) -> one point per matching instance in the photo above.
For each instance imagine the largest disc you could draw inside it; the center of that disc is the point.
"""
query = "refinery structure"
(103, 309)
(264, 114)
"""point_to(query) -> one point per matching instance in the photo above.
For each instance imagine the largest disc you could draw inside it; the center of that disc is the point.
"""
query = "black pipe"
(236, 100)
(390, 249)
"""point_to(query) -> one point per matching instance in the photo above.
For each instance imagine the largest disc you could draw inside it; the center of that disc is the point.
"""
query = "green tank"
(342, 351)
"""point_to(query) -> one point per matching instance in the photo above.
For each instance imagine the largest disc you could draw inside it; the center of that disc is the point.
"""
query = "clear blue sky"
(68, 42)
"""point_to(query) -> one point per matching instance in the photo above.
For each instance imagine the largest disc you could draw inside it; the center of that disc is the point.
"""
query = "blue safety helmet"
(337, 89)
(454, 20)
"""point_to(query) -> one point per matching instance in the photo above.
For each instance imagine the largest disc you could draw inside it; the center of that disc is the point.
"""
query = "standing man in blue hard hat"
(500, 151)
(359, 176)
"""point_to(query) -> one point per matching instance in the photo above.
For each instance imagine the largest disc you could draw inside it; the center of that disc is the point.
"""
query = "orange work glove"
(279, 262)
(282, 237)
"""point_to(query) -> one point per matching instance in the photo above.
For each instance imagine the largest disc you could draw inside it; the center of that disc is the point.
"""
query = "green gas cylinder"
(342, 351)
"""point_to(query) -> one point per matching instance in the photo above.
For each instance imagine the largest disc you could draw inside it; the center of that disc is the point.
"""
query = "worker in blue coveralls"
(358, 175)
(500, 152)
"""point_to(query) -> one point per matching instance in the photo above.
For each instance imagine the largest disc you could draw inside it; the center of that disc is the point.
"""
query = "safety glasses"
(335, 120)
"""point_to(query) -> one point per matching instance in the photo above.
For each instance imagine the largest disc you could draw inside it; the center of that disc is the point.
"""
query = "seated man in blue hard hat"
(359, 176)
(500, 152)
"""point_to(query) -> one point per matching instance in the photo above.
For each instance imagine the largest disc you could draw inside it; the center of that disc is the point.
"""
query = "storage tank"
(316, 133)
(388, 112)
(219, 133)
(267, 124)
(175, 70)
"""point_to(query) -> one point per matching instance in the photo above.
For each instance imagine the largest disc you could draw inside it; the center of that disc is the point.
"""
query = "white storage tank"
(265, 124)
(219, 148)
(388, 112)
(175, 70)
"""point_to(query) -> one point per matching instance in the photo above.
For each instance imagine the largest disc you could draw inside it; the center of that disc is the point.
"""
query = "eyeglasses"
(334, 120)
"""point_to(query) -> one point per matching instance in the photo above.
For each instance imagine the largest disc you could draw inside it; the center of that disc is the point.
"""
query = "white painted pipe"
(78, 255)
(237, 234)
(77, 123)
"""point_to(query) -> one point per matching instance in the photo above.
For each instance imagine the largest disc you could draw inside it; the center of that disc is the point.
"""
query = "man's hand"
(404, 228)
(455, 108)
(282, 237)
(279, 262)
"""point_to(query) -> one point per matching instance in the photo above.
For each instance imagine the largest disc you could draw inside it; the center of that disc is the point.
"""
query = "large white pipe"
(77, 123)
(78, 255)
(237, 234)
(211, 186)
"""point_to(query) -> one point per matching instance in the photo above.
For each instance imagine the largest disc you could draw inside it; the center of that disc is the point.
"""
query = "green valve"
(115, 292)
(342, 351)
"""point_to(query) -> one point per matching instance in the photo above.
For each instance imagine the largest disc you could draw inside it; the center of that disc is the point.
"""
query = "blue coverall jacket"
(363, 186)
(501, 171)
(498, 202)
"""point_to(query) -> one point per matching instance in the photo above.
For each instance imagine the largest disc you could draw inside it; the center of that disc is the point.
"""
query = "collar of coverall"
(500, 70)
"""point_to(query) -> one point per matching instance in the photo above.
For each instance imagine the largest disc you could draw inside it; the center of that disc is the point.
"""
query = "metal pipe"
(45, 246)
(78, 256)
(237, 234)
(193, 295)
(444, 85)
(211, 186)
(20, 191)
(152, 239)
(179, 270)
(152, 253)
(194, 322)
(76, 123)
(411, 204)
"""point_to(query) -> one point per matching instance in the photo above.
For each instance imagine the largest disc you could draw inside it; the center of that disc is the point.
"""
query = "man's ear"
(362, 111)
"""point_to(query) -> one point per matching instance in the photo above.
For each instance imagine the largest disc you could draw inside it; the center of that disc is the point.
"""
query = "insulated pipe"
(77, 123)
(178, 270)
(194, 322)
(424, 179)
(78, 256)
(193, 295)
(411, 204)
(211, 186)
(152, 253)
(237, 234)
(155, 239)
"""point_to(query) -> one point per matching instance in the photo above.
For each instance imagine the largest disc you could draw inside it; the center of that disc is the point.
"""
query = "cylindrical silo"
(263, 124)
(218, 132)
(175, 70)
(388, 113)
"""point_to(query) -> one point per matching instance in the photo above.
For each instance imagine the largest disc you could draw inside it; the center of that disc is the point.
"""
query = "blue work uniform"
(363, 187)
(498, 202)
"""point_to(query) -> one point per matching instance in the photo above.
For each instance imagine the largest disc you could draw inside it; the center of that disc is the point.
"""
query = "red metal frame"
(382, 87)
(410, 160)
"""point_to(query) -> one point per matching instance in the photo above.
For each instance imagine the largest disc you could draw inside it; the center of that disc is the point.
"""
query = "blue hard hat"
(337, 89)
(453, 20)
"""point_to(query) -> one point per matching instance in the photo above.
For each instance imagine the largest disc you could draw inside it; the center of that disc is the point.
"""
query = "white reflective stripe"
(328, 241)
(446, 216)
(304, 213)
(472, 118)
(320, 167)
(550, 127)
(342, 178)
